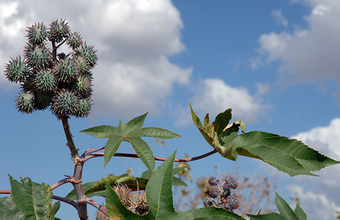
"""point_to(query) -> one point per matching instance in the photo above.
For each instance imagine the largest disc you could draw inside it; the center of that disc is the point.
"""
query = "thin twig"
(96, 205)
(60, 182)
(68, 201)
(156, 158)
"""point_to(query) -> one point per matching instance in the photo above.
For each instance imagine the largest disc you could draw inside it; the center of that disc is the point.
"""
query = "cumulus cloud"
(134, 40)
(318, 198)
(309, 54)
(215, 96)
(279, 18)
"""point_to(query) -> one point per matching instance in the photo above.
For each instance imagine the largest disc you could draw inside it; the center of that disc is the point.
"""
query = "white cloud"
(215, 96)
(309, 54)
(279, 18)
(134, 39)
(318, 197)
(316, 205)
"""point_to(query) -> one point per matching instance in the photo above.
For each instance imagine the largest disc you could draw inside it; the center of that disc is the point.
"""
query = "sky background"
(275, 63)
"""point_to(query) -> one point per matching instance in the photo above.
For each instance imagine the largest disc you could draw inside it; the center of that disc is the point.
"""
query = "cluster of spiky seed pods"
(52, 79)
(220, 194)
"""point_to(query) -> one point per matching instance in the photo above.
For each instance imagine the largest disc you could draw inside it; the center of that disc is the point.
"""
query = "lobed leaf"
(287, 155)
(132, 133)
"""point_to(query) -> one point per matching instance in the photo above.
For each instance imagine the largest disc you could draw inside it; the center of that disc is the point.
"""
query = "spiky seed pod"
(37, 33)
(25, 102)
(58, 31)
(74, 40)
(37, 56)
(43, 100)
(44, 81)
(81, 64)
(64, 103)
(82, 86)
(230, 181)
(213, 181)
(213, 192)
(208, 202)
(16, 70)
(89, 54)
(84, 108)
(66, 70)
(28, 84)
(233, 202)
(225, 191)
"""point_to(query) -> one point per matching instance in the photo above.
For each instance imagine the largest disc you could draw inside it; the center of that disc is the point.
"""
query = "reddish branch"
(92, 155)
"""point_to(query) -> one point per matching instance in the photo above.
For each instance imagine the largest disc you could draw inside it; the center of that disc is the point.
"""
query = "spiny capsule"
(213, 181)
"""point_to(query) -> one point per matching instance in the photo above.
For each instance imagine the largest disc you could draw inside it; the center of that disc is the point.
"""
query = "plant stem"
(70, 143)
(92, 155)
(76, 180)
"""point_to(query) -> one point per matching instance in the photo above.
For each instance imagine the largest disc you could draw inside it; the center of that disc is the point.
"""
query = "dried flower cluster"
(135, 202)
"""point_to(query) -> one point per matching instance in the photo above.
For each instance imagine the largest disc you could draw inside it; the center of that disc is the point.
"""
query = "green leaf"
(269, 216)
(287, 155)
(179, 169)
(132, 133)
(300, 213)
(158, 191)
(178, 182)
(284, 209)
(208, 213)
(56, 207)
(34, 199)
(9, 211)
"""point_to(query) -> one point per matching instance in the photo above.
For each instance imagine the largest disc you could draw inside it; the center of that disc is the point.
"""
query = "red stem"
(156, 158)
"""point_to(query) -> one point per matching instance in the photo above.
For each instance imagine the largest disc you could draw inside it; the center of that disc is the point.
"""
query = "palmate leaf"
(30, 200)
(132, 133)
(159, 196)
(287, 155)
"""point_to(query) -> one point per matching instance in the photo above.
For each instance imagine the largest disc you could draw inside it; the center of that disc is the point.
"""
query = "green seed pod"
(44, 81)
(36, 56)
(74, 40)
(64, 103)
(84, 108)
(81, 64)
(25, 102)
(58, 31)
(82, 86)
(16, 70)
(89, 54)
(43, 100)
(66, 70)
(37, 33)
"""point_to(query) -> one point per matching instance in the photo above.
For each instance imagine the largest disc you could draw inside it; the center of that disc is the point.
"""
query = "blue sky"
(275, 63)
